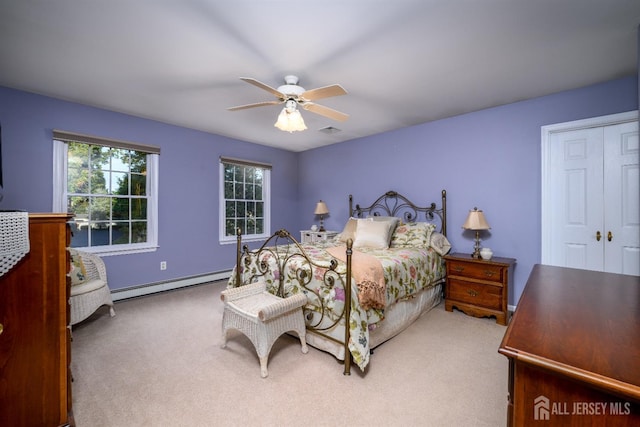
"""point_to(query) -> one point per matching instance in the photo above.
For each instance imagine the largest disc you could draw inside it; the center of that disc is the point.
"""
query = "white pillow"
(373, 234)
(349, 231)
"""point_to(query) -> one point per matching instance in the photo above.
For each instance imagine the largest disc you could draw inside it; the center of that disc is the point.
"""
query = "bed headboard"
(395, 204)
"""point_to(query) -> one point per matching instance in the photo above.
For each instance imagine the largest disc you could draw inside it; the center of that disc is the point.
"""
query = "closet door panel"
(577, 199)
(622, 198)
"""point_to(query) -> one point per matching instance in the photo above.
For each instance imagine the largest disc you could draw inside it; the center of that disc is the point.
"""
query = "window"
(244, 199)
(111, 188)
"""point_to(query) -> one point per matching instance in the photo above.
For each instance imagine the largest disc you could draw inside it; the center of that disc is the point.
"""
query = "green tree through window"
(107, 193)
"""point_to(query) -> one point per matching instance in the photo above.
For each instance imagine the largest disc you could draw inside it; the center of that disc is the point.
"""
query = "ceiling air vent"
(330, 130)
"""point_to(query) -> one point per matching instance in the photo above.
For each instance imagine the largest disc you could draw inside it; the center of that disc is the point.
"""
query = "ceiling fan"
(292, 95)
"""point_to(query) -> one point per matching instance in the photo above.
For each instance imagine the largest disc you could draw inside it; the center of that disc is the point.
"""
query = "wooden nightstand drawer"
(478, 287)
(476, 271)
(475, 293)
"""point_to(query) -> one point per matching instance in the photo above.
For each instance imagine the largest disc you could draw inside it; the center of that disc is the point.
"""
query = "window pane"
(78, 155)
(230, 209)
(258, 192)
(240, 209)
(238, 173)
(120, 208)
(119, 183)
(248, 191)
(228, 190)
(259, 226)
(99, 234)
(100, 157)
(120, 233)
(230, 227)
(77, 180)
(138, 185)
(138, 232)
(139, 208)
(119, 160)
(98, 182)
(138, 162)
(100, 208)
(239, 193)
(79, 233)
(260, 209)
(78, 205)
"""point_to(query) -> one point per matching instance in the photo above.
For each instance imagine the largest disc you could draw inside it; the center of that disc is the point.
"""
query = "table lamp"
(322, 210)
(476, 221)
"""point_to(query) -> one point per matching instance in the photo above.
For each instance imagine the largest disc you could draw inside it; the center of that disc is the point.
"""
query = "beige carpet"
(159, 363)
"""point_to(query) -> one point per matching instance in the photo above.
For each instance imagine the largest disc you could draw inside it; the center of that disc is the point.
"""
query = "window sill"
(108, 251)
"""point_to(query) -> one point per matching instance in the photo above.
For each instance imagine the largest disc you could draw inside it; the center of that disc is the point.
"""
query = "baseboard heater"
(152, 288)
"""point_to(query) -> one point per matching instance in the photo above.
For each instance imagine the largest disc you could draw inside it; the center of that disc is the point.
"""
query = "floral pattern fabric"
(412, 235)
(406, 270)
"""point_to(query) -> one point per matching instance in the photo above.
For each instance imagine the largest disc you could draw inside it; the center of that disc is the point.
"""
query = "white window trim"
(226, 240)
(60, 202)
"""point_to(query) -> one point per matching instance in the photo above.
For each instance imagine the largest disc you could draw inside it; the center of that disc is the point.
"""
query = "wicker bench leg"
(303, 342)
(263, 366)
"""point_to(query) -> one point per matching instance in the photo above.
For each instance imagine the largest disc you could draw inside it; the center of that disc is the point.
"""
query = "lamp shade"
(321, 208)
(290, 119)
(476, 221)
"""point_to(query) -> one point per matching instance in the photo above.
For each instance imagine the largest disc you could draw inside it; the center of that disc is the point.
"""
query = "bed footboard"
(288, 269)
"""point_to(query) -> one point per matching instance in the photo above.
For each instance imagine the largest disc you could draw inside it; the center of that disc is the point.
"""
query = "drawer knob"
(458, 269)
(489, 273)
(472, 292)
(1, 328)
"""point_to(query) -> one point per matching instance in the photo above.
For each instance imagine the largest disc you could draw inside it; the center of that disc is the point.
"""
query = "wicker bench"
(262, 317)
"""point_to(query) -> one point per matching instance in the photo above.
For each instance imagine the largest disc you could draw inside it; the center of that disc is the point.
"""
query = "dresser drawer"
(478, 294)
(480, 271)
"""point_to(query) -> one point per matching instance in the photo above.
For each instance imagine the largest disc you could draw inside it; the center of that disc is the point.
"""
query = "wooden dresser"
(574, 350)
(35, 352)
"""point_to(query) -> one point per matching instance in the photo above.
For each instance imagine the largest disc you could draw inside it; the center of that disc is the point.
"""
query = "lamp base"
(321, 224)
(476, 247)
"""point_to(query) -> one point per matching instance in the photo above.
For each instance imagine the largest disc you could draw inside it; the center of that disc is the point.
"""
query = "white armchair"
(89, 286)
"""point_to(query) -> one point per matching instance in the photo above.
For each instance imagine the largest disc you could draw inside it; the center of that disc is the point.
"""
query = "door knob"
(598, 235)
(609, 236)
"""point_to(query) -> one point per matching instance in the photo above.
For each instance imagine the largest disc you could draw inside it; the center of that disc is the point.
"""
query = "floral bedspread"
(406, 271)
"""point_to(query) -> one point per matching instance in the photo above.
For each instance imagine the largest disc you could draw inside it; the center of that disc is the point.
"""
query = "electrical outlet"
(163, 265)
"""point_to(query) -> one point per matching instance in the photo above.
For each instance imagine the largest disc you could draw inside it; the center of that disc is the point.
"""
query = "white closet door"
(577, 199)
(622, 199)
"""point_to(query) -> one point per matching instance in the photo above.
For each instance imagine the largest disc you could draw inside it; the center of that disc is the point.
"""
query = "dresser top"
(579, 323)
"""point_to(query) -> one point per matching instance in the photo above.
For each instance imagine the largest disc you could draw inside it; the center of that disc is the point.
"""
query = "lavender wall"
(489, 159)
(188, 193)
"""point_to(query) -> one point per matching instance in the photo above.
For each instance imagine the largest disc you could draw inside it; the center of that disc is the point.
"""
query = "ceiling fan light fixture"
(290, 119)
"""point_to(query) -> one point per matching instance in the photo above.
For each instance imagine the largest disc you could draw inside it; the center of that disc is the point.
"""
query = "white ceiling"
(403, 62)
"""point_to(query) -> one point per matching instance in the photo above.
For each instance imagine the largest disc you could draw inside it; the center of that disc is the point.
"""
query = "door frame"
(547, 187)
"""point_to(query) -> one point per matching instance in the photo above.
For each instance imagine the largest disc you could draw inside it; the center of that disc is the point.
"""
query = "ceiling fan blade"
(325, 111)
(263, 86)
(257, 104)
(323, 92)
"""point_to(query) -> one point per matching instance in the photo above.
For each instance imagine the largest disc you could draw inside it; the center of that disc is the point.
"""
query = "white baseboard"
(511, 308)
(152, 288)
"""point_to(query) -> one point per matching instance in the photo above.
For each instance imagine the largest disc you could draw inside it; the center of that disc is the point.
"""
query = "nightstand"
(477, 287)
(308, 236)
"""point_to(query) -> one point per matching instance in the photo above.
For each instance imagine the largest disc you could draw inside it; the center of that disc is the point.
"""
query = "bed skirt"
(397, 318)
